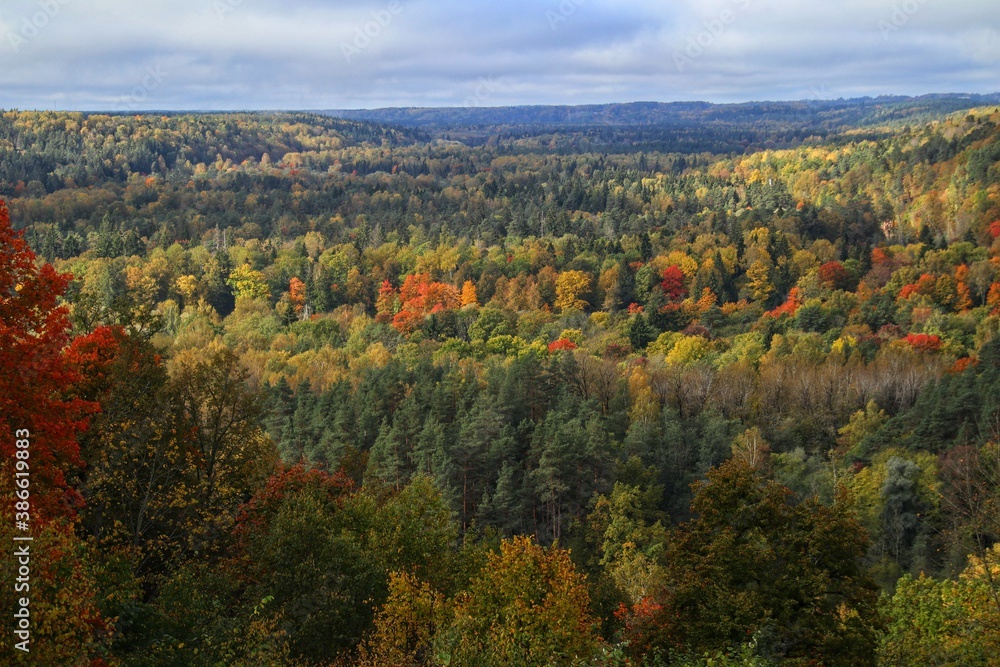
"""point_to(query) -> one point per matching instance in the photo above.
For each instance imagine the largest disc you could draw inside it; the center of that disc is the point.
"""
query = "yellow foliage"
(759, 281)
(707, 300)
(571, 286)
(689, 349)
(469, 296)
(248, 283)
(186, 286)
(645, 405)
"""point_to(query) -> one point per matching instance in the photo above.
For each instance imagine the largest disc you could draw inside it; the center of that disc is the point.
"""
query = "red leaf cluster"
(835, 276)
(562, 344)
(286, 482)
(673, 284)
(925, 285)
(923, 342)
(791, 305)
(34, 373)
(420, 296)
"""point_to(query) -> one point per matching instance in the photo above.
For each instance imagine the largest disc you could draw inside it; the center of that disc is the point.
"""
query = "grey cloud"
(291, 54)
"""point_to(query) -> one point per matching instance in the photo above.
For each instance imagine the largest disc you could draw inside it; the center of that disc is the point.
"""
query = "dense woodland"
(316, 392)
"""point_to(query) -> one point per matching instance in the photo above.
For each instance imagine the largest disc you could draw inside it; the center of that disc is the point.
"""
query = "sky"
(313, 54)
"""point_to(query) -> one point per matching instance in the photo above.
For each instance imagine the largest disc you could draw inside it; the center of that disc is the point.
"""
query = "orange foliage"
(790, 306)
(297, 294)
(880, 256)
(420, 296)
(387, 304)
(562, 344)
(92, 357)
(963, 297)
(961, 365)
(993, 298)
(469, 296)
(640, 620)
(925, 285)
(407, 321)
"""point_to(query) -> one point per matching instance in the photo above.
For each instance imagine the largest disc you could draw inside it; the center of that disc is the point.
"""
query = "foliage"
(527, 607)
(34, 330)
(754, 564)
(342, 392)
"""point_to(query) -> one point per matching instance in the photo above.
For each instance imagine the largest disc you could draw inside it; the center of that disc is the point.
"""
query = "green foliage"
(945, 622)
(402, 319)
(753, 563)
(528, 606)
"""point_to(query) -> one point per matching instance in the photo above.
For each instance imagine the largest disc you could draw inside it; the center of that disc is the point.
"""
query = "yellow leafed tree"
(469, 296)
(571, 287)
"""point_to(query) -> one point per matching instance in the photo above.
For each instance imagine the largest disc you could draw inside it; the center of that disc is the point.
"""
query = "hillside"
(679, 126)
(608, 378)
(826, 114)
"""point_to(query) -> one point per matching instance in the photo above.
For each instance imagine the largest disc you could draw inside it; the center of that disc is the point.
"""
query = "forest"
(527, 389)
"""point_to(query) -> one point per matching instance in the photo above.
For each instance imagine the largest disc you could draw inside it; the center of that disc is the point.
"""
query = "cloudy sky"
(321, 54)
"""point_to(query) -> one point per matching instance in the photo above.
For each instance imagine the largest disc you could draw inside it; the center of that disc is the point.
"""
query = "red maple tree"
(34, 374)
(673, 284)
(923, 342)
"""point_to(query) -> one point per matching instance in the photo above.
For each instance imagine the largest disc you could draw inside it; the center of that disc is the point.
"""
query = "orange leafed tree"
(562, 344)
(469, 296)
(420, 296)
(34, 333)
(925, 285)
(297, 294)
(993, 299)
(791, 306)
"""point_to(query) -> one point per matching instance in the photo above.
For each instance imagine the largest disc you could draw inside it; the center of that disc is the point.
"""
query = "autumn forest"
(719, 389)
